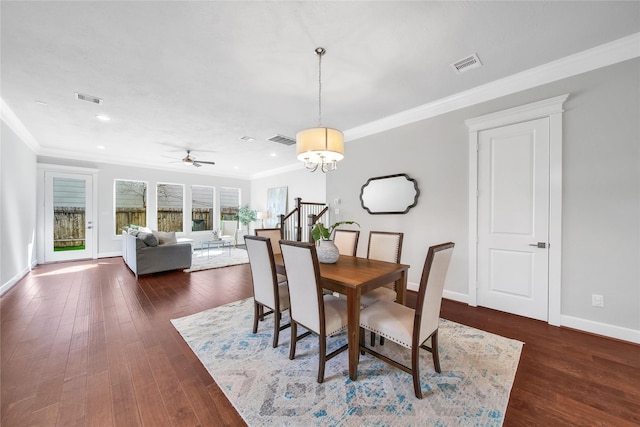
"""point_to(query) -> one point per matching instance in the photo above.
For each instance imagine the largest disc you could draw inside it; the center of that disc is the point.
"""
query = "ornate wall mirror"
(391, 194)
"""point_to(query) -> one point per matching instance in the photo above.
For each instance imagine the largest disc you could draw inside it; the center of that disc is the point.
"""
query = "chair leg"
(434, 351)
(292, 348)
(276, 328)
(381, 340)
(415, 370)
(373, 339)
(322, 358)
(261, 312)
(256, 314)
(362, 339)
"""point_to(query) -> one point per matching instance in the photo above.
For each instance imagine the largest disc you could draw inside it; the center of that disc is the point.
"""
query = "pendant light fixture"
(320, 147)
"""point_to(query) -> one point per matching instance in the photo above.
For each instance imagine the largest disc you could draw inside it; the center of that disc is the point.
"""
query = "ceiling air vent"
(88, 98)
(466, 64)
(281, 139)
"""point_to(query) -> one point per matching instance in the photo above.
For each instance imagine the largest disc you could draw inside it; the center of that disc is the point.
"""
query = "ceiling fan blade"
(170, 157)
(206, 163)
(196, 164)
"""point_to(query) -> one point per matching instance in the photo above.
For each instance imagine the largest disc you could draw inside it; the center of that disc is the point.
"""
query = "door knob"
(540, 245)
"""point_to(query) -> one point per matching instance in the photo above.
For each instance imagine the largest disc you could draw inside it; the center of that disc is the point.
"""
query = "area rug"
(217, 258)
(267, 388)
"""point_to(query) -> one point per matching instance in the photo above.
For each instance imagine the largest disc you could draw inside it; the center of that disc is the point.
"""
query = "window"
(170, 206)
(130, 204)
(202, 208)
(229, 203)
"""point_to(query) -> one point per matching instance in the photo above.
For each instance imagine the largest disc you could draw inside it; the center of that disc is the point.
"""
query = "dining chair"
(275, 234)
(269, 290)
(408, 327)
(383, 246)
(323, 315)
(346, 241)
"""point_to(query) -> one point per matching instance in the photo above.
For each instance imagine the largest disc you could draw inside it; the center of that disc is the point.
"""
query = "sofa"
(147, 252)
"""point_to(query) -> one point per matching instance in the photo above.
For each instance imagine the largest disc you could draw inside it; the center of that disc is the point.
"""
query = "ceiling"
(201, 75)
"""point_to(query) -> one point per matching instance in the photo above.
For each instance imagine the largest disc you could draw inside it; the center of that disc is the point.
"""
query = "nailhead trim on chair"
(389, 338)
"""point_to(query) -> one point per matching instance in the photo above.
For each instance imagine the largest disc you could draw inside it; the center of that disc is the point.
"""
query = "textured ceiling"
(200, 75)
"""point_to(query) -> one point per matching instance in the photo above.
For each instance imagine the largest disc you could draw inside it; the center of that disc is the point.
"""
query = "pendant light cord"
(320, 51)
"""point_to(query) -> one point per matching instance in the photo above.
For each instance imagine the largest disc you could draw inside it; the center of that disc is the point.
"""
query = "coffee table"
(216, 244)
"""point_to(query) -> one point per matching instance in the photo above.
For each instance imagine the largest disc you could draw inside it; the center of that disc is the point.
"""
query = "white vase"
(328, 252)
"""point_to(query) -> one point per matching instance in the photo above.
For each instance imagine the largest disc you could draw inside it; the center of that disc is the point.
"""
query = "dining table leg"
(353, 315)
(401, 288)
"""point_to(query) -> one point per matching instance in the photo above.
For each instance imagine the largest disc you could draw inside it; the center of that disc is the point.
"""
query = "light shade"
(262, 215)
(320, 145)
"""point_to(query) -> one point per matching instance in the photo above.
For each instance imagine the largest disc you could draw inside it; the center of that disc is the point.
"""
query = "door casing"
(553, 109)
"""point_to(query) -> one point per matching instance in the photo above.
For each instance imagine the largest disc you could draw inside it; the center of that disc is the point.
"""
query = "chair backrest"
(263, 271)
(275, 234)
(229, 227)
(429, 300)
(346, 241)
(303, 276)
(385, 246)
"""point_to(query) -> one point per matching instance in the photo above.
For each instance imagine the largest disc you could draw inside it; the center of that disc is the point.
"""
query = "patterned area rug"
(267, 388)
(217, 258)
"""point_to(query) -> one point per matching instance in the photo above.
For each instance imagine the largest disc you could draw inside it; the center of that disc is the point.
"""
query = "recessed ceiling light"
(41, 102)
(103, 117)
(100, 147)
(273, 154)
(247, 138)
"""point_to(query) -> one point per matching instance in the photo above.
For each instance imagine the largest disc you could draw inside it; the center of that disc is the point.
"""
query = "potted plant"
(328, 252)
(245, 216)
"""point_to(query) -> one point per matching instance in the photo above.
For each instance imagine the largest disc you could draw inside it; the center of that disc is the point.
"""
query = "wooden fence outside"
(68, 227)
(168, 219)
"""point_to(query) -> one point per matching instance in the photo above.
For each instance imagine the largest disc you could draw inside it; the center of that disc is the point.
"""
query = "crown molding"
(588, 60)
(15, 124)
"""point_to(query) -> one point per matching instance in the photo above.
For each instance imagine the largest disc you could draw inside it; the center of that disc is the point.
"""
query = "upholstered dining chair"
(323, 315)
(268, 290)
(275, 234)
(346, 241)
(408, 327)
(383, 246)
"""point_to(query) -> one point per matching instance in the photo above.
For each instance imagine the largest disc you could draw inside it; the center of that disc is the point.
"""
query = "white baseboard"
(456, 296)
(109, 254)
(611, 331)
(15, 279)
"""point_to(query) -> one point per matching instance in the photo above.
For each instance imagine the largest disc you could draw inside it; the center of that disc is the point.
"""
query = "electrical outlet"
(597, 300)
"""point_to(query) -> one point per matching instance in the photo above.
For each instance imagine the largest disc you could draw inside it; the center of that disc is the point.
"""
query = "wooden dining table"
(353, 276)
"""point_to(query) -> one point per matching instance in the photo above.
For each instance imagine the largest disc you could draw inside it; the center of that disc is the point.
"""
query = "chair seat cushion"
(283, 293)
(391, 320)
(335, 310)
(377, 295)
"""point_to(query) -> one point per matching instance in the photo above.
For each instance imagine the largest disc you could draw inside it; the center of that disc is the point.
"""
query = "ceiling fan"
(191, 160)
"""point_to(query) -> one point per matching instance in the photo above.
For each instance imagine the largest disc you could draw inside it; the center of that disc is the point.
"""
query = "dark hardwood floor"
(84, 343)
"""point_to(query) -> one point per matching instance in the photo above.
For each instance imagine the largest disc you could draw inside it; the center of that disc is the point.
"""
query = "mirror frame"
(410, 180)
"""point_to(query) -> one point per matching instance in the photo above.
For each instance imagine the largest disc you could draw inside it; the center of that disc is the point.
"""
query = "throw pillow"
(144, 229)
(166, 237)
(134, 231)
(140, 244)
(148, 238)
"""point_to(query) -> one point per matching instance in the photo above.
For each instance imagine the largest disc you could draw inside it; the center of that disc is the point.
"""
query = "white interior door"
(68, 216)
(513, 218)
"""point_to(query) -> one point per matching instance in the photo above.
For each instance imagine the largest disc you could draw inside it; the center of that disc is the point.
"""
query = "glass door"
(69, 233)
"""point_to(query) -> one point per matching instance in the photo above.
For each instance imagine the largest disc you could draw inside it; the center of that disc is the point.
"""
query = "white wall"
(110, 244)
(601, 193)
(311, 187)
(17, 208)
